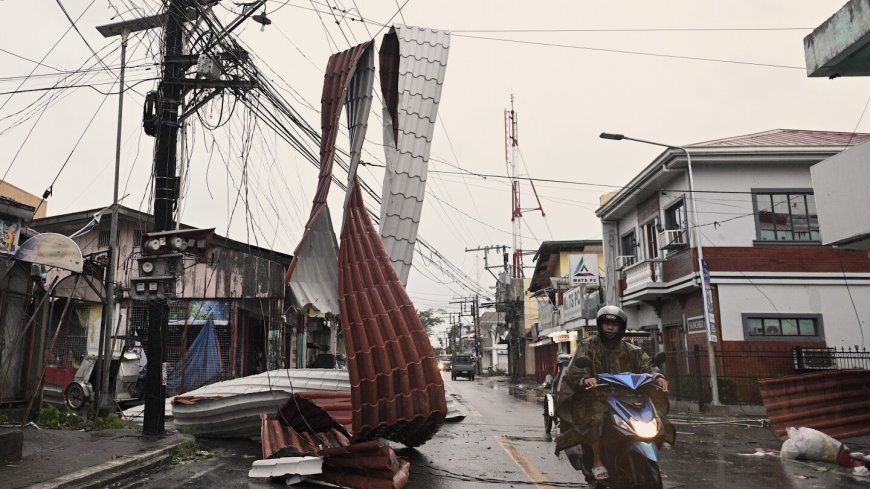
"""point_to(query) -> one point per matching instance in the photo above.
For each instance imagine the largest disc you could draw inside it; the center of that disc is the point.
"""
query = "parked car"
(462, 366)
(444, 363)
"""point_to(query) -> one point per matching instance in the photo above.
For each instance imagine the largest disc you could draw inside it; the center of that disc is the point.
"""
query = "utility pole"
(166, 121)
(486, 249)
(168, 102)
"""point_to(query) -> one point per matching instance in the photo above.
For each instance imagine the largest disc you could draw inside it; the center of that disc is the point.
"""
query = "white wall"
(641, 316)
(831, 301)
(736, 209)
(840, 184)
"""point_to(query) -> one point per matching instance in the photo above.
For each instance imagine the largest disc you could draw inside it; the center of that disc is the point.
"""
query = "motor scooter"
(126, 382)
(633, 433)
(551, 419)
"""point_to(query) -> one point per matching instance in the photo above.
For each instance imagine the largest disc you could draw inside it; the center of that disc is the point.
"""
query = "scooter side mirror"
(659, 359)
(583, 362)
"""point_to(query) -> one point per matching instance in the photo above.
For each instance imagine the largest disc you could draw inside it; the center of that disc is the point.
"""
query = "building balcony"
(642, 273)
(656, 277)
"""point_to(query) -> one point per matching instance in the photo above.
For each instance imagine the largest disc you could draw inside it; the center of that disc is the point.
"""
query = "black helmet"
(611, 314)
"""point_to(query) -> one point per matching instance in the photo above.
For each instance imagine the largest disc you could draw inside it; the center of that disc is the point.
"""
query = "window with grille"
(103, 239)
(786, 216)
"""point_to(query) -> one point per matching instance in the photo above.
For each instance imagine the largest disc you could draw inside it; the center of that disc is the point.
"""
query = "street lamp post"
(122, 29)
(705, 293)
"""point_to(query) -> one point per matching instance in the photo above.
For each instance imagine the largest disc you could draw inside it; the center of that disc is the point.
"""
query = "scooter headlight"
(645, 429)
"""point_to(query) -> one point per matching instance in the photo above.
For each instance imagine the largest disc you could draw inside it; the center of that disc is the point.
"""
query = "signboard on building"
(708, 298)
(695, 325)
(583, 268)
(564, 336)
(572, 304)
(9, 233)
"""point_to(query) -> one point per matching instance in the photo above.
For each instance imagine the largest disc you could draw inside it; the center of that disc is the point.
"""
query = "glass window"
(773, 327)
(807, 327)
(789, 327)
(628, 245)
(755, 327)
(787, 217)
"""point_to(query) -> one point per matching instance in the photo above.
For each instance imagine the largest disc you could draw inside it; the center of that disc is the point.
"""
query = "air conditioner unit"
(671, 239)
(625, 261)
(813, 359)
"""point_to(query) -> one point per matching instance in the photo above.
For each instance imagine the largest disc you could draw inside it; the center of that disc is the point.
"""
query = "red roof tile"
(790, 137)
(396, 389)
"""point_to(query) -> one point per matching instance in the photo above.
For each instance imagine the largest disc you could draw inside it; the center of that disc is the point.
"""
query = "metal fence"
(738, 369)
(187, 369)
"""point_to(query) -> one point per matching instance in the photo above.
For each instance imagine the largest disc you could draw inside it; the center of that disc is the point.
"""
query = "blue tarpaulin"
(201, 365)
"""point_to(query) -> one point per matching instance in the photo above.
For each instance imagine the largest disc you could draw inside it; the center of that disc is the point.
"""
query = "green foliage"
(430, 318)
(112, 422)
(4, 419)
(188, 452)
(52, 418)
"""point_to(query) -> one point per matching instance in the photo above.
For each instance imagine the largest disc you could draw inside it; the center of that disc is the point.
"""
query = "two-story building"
(773, 282)
(566, 274)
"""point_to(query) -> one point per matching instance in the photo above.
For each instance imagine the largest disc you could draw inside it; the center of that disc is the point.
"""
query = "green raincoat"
(582, 419)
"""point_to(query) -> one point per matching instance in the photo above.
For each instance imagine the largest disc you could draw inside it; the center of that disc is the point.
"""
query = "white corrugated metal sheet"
(315, 279)
(232, 408)
(295, 469)
(421, 67)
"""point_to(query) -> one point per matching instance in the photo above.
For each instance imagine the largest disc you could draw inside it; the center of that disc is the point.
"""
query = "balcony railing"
(642, 273)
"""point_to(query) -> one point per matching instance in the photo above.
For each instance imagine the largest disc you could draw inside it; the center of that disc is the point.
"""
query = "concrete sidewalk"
(61, 458)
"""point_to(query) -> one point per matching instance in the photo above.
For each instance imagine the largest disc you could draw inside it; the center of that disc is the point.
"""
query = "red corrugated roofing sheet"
(362, 465)
(790, 137)
(834, 402)
(340, 69)
(396, 389)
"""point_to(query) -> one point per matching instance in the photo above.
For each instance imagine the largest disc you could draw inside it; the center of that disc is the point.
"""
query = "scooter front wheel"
(74, 397)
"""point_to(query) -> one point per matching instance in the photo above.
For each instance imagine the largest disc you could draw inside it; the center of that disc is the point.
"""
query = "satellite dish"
(53, 250)
(80, 287)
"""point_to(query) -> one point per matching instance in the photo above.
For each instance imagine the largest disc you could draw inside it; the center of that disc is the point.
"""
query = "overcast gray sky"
(569, 86)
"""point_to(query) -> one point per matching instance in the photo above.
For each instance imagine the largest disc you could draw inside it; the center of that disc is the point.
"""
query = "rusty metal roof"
(834, 402)
(312, 275)
(413, 61)
(396, 388)
(790, 137)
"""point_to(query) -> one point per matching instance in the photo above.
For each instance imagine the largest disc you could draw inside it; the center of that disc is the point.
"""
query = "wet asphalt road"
(502, 443)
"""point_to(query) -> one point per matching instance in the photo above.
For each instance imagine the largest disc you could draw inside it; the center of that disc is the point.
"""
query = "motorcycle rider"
(582, 420)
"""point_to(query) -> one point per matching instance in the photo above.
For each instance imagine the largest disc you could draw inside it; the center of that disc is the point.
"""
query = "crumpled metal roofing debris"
(232, 408)
(312, 275)
(368, 464)
(413, 61)
(835, 402)
(396, 388)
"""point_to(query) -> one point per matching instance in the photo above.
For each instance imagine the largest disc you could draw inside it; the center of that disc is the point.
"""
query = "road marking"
(530, 470)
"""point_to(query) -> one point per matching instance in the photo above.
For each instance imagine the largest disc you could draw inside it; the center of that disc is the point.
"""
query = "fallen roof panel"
(396, 388)
(312, 273)
(413, 64)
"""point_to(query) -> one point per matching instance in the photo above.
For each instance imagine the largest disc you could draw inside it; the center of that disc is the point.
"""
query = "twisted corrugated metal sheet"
(835, 402)
(413, 63)
(396, 389)
(312, 275)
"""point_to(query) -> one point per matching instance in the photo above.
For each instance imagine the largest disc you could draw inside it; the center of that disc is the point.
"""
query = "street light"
(122, 29)
(705, 292)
